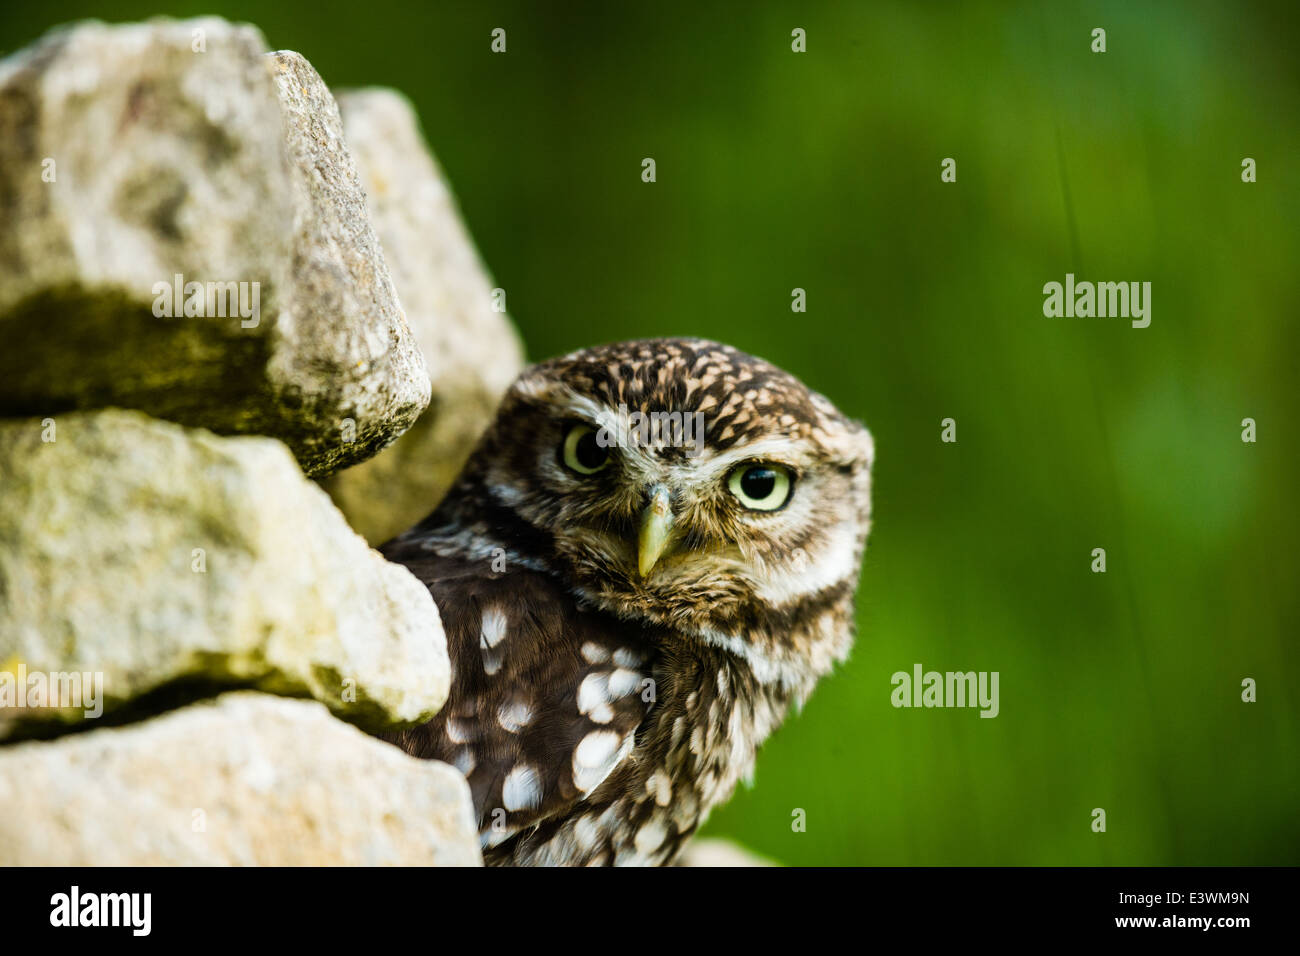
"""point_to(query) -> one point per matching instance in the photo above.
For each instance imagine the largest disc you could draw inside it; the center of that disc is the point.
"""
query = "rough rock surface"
(154, 554)
(471, 350)
(132, 154)
(716, 852)
(247, 779)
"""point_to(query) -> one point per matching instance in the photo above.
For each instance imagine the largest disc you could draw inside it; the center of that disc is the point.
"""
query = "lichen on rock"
(153, 554)
(154, 193)
(198, 318)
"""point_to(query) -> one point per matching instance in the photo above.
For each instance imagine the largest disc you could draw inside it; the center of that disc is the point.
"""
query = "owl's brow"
(774, 449)
(575, 405)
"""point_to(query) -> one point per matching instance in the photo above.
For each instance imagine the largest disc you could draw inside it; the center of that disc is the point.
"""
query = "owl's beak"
(656, 525)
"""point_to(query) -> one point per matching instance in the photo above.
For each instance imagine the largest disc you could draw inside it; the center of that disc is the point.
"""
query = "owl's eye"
(761, 487)
(582, 452)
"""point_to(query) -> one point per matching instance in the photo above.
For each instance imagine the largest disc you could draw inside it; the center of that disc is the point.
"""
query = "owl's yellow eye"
(582, 452)
(761, 487)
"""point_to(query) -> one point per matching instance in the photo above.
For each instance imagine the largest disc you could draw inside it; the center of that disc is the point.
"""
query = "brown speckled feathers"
(628, 620)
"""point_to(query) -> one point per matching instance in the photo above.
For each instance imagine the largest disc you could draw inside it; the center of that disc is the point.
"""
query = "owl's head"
(680, 482)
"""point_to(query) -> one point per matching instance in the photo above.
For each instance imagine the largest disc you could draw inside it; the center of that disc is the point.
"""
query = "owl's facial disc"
(646, 507)
(661, 516)
(761, 504)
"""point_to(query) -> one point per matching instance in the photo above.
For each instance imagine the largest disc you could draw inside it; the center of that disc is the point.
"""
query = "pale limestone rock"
(247, 779)
(155, 554)
(132, 154)
(716, 852)
(472, 351)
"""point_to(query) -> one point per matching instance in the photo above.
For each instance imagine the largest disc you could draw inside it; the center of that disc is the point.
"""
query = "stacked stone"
(200, 269)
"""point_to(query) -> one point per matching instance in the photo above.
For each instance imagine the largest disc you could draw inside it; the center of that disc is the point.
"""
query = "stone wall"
(215, 286)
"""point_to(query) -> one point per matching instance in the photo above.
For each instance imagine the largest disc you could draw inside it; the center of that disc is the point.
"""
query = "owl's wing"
(545, 698)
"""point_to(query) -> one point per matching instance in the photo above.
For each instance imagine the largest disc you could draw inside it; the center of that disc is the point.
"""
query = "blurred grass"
(821, 171)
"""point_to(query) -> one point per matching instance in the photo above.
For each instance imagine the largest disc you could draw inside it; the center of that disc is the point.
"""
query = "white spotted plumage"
(603, 701)
(492, 632)
(522, 789)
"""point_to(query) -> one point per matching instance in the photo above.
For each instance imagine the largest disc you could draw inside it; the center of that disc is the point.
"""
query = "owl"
(648, 560)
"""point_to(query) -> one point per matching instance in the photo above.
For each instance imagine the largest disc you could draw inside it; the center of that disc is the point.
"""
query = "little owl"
(630, 611)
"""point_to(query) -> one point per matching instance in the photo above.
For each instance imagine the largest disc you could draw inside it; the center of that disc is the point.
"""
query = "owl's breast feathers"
(586, 739)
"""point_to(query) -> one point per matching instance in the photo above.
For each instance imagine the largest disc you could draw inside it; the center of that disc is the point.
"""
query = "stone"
(715, 852)
(244, 780)
(173, 561)
(152, 171)
(471, 350)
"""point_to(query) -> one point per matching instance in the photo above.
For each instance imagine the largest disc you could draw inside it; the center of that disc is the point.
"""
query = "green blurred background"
(821, 170)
